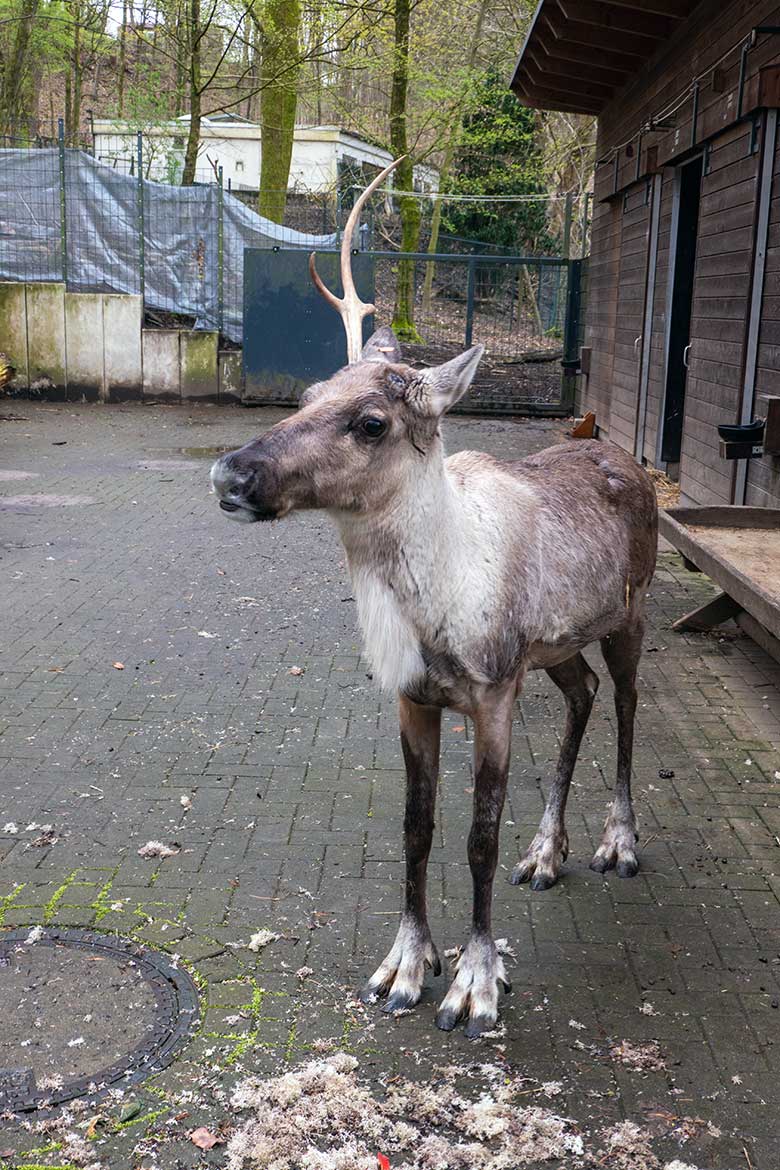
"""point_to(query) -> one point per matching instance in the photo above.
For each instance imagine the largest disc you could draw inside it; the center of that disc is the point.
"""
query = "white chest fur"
(391, 645)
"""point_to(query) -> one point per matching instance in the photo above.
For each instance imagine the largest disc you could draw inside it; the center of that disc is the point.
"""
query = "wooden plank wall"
(724, 253)
(763, 482)
(632, 279)
(655, 384)
(723, 264)
(603, 268)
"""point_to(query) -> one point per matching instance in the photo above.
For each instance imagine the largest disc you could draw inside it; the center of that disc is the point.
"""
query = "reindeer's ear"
(443, 386)
(310, 394)
(382, 346)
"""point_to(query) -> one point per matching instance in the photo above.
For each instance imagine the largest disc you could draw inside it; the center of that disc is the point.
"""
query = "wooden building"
(683, 313)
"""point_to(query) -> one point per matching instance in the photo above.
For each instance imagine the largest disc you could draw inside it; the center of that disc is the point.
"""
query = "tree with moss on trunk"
(15, 64)
(409, 207)
(278, 23)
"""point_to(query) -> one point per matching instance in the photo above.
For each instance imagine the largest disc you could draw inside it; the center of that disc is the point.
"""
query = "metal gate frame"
(573, 312)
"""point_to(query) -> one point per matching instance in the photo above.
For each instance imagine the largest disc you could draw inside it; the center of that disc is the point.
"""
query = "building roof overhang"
(579, 54)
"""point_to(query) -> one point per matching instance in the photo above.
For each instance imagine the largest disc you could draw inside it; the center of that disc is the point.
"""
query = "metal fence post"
(140, 213)
(470, 302)
(571, 334)
(63, 203)
(220, 251)
(585, 211)
(567, 217)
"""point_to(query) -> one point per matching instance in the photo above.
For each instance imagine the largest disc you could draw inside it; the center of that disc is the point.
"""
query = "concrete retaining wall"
(93, 347)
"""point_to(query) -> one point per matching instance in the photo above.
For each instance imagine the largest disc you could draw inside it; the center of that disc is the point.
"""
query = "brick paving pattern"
(295, 782)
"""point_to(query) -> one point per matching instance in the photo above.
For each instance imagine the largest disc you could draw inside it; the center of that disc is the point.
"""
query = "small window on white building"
(239, 164)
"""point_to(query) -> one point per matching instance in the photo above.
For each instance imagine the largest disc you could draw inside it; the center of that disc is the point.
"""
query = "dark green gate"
(525, 310)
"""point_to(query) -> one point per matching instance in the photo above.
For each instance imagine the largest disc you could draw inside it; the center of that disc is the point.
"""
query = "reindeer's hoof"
(473, 995)
(542, 862)
(400, 977)
(446, 1019)
(601, 864)
(478, 1025)
(617, 853)
(401, 1000)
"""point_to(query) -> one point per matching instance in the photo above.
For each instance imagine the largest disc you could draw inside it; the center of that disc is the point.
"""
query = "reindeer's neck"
(426, 572)
(415, 534)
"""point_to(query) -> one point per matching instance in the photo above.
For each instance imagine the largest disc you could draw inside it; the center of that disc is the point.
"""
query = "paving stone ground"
(295, 782)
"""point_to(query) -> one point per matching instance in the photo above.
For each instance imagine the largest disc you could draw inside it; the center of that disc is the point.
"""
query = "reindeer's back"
(598, 485)
(586, 520)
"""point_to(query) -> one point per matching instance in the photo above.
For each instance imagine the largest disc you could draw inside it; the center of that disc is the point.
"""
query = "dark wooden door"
(630, 314)
(689, 197)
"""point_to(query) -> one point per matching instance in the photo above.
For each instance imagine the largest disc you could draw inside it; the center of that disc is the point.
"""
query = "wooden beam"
(574, 32)
(559, 51)
(614, 18)
(575, 86)
(713, 613)
(545, 99)
(671, 9)
(552, 67)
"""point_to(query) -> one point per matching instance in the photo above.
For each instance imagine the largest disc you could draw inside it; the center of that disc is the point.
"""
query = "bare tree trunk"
(16, 70)
(447, 161)
(278, 101)
(193, 138)
(76, 65)
(403, 313)
(121, 62)
(180, 50)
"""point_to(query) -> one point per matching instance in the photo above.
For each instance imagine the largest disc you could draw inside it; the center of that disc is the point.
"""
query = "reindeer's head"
(357, 438)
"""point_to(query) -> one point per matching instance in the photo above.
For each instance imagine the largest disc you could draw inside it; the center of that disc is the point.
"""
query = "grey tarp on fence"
(102, 239)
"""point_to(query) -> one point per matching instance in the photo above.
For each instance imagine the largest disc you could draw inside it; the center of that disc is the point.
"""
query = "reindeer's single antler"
(350, 306)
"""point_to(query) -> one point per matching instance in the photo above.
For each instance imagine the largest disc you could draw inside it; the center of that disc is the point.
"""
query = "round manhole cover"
(83, 1012)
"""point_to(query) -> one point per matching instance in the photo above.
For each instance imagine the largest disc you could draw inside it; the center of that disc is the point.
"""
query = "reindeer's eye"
(372, 428)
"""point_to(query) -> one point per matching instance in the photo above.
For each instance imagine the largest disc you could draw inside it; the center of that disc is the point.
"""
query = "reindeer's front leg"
(474, 992)
(401, 975)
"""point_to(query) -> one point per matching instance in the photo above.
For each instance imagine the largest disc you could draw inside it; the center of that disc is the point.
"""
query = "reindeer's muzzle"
(244, 488)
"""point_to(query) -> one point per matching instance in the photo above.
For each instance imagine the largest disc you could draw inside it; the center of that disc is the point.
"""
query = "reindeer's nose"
(239, 488)
(228, 482)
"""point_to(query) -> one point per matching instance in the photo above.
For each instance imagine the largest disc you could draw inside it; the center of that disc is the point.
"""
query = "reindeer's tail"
(6, 371)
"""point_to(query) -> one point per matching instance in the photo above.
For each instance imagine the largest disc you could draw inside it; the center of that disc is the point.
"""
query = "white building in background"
(323, 157)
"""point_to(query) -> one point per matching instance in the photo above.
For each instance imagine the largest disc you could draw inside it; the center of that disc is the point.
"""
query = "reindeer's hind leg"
(621, 651)
(400, 976)
(549, 848)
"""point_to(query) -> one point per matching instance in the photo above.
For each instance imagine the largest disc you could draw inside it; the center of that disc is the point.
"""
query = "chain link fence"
(103, 225)
(64, 216)
(515, 306)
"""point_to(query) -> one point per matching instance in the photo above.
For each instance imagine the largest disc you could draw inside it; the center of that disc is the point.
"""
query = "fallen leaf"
(460, 727)
(383, 1162)
(92, 1127)
(118, 665)
(129, 1110)
(296, 670)
(204, 1139)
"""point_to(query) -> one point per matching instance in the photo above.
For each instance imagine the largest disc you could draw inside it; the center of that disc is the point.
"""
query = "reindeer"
(468, 572)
